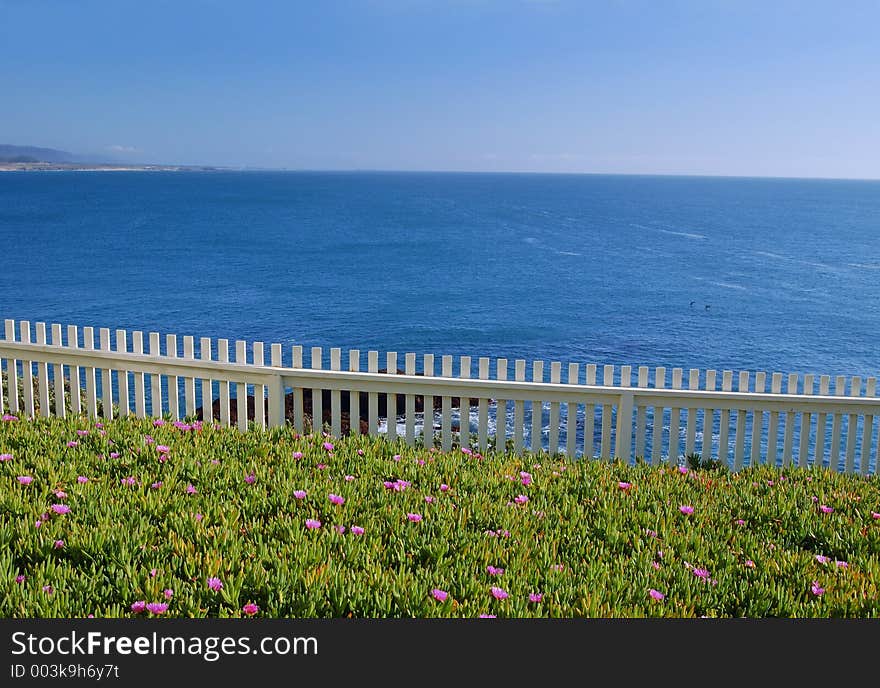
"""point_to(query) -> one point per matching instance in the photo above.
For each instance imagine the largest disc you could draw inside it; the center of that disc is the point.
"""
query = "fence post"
(624, 427)
(276, 401)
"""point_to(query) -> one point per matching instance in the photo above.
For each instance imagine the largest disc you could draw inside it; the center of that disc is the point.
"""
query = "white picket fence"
(580, 416)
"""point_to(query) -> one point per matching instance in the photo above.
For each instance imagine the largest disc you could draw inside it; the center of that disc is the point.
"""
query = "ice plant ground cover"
(159, 519)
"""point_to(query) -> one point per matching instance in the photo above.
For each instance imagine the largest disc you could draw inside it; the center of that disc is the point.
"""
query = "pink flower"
(740, 522)
(312, 524)
(297, 455)
(558, 567)
(114, 455)
(439, 595)
(157, 607)
(656, 595)
(158, 423)
(360, 452)
(488, 616)
(59, 544)
(154, 573)
(536, 597)
(156, 485)
(499, 593)
(130, 480)
(60, 494)
(467, 450)
(81, 479)
(299, 494)
(190, 489)
(624, 486)
(24, 480)
(492, 571)
(139, 606)
(321, 466)
(249, 479)
(5, 457)
(162, 449)
(169, 593)
(825, 509)
(348, 478)
(750, 564)
(655, 564)
(685, 509)
(525, 478)
(814, 499)
(336, 499)
(701, 573)
(328, 446)
(215, 584)
(444, 487)
(429, 499)
(415, 518)
(875, 515)
(520, 499)
(48, 589)
(816, 589)
(250, 609)
(357, 530)
(37, 524)
(822, 559)
(683, 470)
(73, 443)
(841, 564)
(60, 508)
(339, 529)
(19, 579)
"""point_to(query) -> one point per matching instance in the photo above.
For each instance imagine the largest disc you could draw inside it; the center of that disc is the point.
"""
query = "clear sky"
(730, 87)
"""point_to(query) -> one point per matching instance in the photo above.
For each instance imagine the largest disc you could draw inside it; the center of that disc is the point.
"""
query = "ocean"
(725, 273)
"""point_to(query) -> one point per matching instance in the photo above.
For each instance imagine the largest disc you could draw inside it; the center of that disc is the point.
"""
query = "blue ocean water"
(755, 274)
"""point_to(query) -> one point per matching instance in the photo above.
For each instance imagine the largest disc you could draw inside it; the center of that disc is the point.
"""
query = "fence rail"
(579, 416)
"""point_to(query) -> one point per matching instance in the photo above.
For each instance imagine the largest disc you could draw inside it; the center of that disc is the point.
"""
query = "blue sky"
(729, 87)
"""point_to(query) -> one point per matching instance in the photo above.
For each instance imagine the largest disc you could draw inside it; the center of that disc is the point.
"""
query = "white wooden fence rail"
(657, 423)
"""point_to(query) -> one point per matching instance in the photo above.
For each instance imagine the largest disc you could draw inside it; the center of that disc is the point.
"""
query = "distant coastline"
(98, 167)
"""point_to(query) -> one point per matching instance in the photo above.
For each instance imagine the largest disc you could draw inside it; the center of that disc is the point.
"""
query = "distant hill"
(10, 153)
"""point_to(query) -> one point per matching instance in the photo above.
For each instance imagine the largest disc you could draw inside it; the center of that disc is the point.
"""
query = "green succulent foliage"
(588, 545)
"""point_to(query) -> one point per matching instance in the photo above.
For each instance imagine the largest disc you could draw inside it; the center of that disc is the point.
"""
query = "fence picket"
(446, 408)
(428, 404)
(57, 375)
(296, 361)
(27, 371)
(708, 418)
(821, 424)
(354, 395)
(553, 440)
(519, 374)
(724, 425)
(207, 384)
(317, 394)
(675, 421)
(372, 397)
(91, 385)
(391, 399)
(258, 351)
(623, 432)
(605, 446)
(410, 402)
(223, 357)
(757, 422)
(43, 375)
(137, 347)
(855, 390)
(788, 436)
(836, 421)
(868, 429)
(690, 434)
(641, 415)
(501, 410)
(172, 381)
(537, 439)
(241, 396)
(571, 412)
(106, 376)
(189, 383)
(483, 408)
(806, 426)
(657, 423)
(11, 371)
(741, 413)
(336, 395)
(464, 406)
